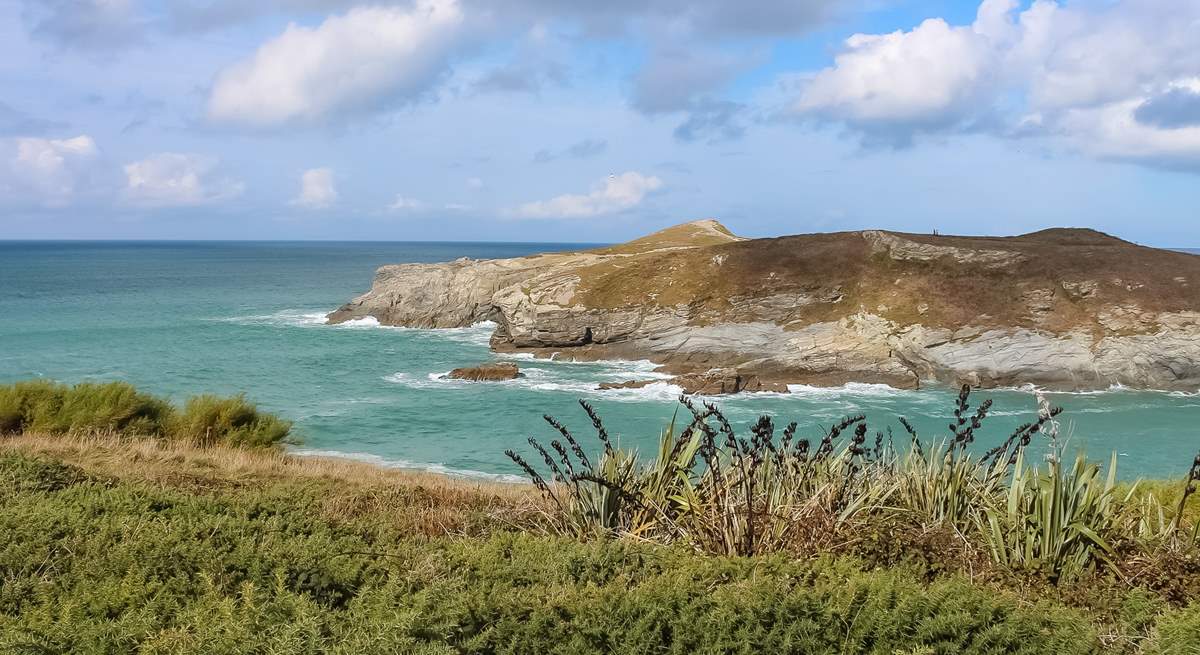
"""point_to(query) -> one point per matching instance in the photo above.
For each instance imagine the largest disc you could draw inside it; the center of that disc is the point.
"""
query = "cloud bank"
(1113, 80)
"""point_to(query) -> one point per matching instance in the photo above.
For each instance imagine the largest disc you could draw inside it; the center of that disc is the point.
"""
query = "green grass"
(178, 555)
(48, 407)
(128, 525)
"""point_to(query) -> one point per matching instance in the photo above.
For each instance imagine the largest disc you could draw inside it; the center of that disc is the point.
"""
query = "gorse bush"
(23, 403)
(231, 421)
(49, 407)
(117, 407)
(727, 494)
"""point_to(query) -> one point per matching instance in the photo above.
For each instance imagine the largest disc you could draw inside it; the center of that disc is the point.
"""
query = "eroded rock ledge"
(1062, 308)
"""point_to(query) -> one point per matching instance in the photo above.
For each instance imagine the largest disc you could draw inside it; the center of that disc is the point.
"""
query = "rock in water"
(723, 381)
(486, 372)
(1060, 308)
(714, 382)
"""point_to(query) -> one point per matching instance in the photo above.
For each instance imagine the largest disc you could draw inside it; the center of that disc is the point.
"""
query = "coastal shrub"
(50, 407)
(232, 421)
(123, 565)
(1055, 521)
(115, 406)
(727, 494)
(118, 407)
(1178, 633)
(22, 403)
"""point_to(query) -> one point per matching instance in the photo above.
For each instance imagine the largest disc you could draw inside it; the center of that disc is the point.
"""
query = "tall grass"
(230, 421)
(117, 407)
(733, 494)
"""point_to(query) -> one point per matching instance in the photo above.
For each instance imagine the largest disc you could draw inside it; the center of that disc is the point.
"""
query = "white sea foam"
(409, 465)
(1115, 387)
(857, 389)
(479, 334)
(543, 380)
(285, 318)
(365, 321)
(656, 391)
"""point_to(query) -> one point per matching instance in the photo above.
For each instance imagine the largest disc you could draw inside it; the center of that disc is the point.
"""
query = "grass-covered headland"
(145, 532)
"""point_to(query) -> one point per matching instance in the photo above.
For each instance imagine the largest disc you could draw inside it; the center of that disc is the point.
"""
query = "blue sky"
(565, 120)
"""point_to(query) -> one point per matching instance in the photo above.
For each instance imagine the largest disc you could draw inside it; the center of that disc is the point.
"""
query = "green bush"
(22, 404)
(115, 406)
(108, 566)
(230, 421)
(1178, 633)
(44, 406)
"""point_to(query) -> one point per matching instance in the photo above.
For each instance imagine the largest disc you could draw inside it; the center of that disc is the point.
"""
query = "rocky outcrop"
(486, 372)
(1072, 309)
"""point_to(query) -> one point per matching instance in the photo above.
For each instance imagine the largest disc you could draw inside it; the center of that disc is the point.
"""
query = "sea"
(184, 318)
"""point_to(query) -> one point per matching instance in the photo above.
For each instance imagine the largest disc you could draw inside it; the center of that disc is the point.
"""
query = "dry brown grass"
(414, 502)
(941, 292)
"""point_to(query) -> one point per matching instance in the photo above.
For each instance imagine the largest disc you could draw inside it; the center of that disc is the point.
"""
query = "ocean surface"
(182, 318)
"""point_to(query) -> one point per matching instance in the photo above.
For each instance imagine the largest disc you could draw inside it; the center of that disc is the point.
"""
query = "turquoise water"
(186, 318)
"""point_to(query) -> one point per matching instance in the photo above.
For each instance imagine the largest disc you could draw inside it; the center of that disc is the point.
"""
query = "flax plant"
(726, 494)
(1055, 521)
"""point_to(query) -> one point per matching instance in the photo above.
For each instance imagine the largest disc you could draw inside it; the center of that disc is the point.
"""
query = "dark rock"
(486, 372)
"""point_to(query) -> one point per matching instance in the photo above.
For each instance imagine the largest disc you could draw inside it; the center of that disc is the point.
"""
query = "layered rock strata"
(1064, 308)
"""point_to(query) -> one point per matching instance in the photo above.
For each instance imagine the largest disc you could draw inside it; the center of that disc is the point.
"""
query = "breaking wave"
(544, 380)
(285, 318)
(857, 389)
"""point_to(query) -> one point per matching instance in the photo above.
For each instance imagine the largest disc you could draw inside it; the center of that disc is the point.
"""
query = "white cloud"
(1112, 131)
(1072, 72)
(317, 190)
(928, 76)
(617, 193)
(364, 59)
(474, 183)
(403, 204)
(51, 170)
(172, 179)
(406, 205)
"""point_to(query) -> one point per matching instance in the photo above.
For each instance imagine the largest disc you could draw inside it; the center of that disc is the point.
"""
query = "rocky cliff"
(1061, 308)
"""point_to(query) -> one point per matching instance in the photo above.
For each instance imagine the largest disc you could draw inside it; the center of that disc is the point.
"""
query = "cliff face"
(1062, 308)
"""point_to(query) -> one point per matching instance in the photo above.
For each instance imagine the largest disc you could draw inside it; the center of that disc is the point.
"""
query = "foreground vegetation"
(125, 531)
(720, 493)
(118, 407)
(113, 545)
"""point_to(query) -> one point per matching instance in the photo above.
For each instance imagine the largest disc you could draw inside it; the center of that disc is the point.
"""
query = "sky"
(584, 121)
